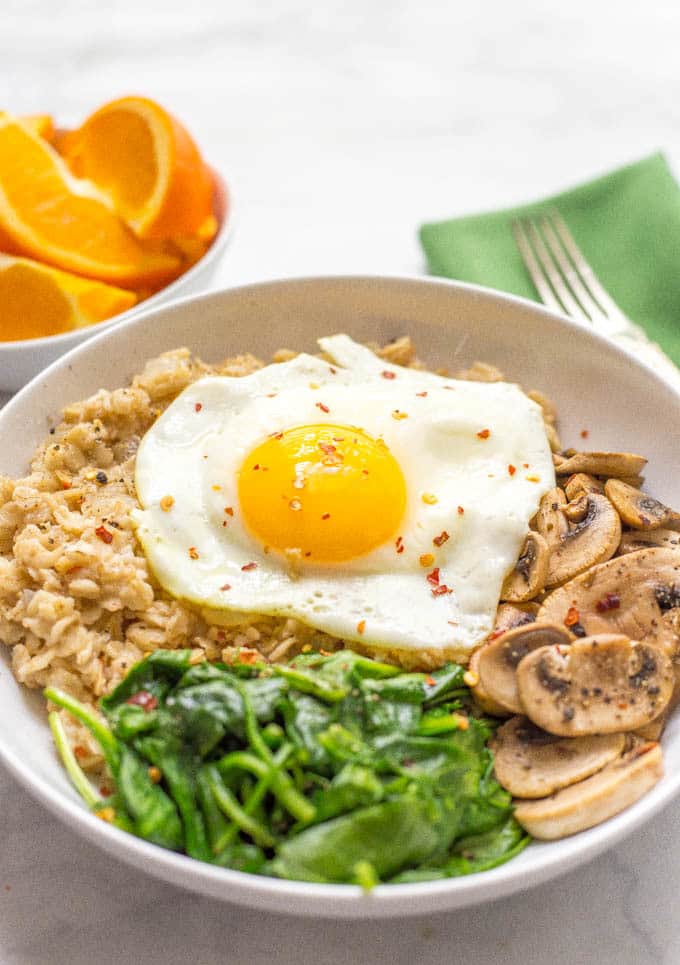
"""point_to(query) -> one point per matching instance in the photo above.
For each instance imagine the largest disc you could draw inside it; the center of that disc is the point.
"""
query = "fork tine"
(535, 273)
(569, 270)
(586, 273)
(551, 270)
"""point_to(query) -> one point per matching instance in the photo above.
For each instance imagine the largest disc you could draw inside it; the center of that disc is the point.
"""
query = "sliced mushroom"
(606, 793)
(530, 762)
(643, 539)
(638, 509)
(497, 660)
(509, 615)
(528, 576)
(581, 483)
(550, 520)
(604, 684)
(592, 540)
(601, 463)
(485, 702)
(629, 594)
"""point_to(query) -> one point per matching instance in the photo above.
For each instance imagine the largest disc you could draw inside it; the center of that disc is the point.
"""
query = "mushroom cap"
(583, 805)
(527, 577)
(582, 482)
(482, 698)
(497, 660)
(643, 539)
(605, 684)
(550, 521)
(531, 763)
(628, 595)
(638, 509)
(601, 463)
(592, 540)
(509, 615)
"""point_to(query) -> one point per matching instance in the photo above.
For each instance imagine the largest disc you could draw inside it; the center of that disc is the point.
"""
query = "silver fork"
(566, 283)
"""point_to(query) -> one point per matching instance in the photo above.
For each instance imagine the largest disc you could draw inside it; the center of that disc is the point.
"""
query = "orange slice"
(40, 124)
(36, 300)
(146, 162)
(46, 214)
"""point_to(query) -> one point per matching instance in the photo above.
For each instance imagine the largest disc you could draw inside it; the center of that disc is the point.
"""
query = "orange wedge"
(147, 164)
(40, 124)
(46, 214)
(36, 300)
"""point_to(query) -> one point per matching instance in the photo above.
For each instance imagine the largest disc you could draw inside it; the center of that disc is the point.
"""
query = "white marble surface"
(342, 125)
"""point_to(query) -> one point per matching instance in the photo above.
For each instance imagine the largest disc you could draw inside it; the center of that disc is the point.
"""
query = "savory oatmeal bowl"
(251, 570)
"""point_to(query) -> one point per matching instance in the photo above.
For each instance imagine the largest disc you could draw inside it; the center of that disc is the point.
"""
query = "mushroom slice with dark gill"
(592, 536)
(531, 763)
(605, 464)
(640, 539)
(605, 684)
(510, 615)
(637, 594)
(527, 577)
(497, 661)
(638, 509)
(606, 793)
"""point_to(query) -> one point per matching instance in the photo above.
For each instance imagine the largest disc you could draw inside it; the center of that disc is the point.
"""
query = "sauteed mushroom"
(603, 684)
(591, 538)
(583, 805)
(531, 763)
(528, 576)
(643, 539)
(638, 509)
(605, 464)
(633, 594)
(509, 615)
(496, 662)
(580, 483)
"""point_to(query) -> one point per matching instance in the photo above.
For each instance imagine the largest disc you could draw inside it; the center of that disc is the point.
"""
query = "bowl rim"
(164, 296)
(334, 900)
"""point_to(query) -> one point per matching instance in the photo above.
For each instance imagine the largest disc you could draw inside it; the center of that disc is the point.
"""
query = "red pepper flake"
(525, 465)
(388, 375)
(143, 699)
(338, 438)
(612, 601)
(460, 511)
(326, 516)
(332, 370)
(433, 577)
(572, 617)
(441, 590)
(198, 407)
(399, 544)
(430, 681)
(272, 395)
(494, 635)
(327, 448)
(421, 395)
(229, 510)
(484, 433)
(584, 433)
(104, 535)
(441, 539)
(361, 626)
(105, 791)
(320, 405)
(224, 588)
(80, 751)
(512, 469)
(276, 435)
(249, 566)
(256, 466)
(193, 552)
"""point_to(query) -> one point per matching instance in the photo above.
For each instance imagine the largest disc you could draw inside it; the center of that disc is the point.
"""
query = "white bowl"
(21, 360)
(596, 386)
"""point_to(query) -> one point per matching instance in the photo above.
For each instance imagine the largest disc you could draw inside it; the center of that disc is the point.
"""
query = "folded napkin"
(627, 224)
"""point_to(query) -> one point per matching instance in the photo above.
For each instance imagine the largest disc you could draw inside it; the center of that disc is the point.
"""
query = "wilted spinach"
(331, 768)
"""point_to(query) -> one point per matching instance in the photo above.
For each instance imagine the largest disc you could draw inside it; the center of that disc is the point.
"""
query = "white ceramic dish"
(596, 386)
(20, 361)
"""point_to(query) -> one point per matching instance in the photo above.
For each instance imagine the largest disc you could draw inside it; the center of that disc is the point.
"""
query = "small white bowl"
(596, 386)
(21, 360)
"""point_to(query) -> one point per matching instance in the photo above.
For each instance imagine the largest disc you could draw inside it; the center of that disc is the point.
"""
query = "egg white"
(383, 599)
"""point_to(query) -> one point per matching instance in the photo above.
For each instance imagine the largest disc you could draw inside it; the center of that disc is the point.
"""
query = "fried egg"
(380, 504)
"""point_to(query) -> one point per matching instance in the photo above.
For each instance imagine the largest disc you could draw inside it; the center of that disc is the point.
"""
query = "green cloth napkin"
(627, 224)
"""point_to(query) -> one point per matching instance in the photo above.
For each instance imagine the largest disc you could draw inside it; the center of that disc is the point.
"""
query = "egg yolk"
(330, 492)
